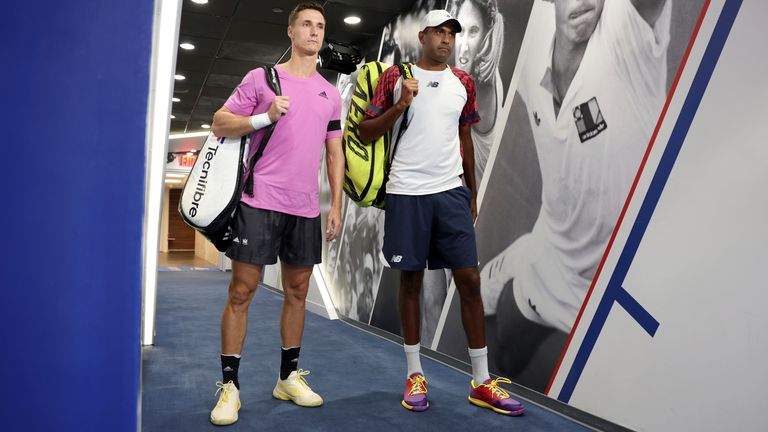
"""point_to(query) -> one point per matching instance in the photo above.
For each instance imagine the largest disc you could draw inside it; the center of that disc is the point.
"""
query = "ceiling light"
(173, 116)
(179, 77)
(176, 100)
(277, 10)
(187, 46)
(200, 1)
(173, 181)
(175, 175)
(352, 20)
(205, 126)
(189, 153)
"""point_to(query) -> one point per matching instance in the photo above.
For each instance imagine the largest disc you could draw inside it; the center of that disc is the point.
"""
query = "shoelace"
(224, 388)
(496, 390)
(300, 374)
(417, 385)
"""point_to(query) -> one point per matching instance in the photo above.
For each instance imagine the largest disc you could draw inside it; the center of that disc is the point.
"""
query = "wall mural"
(563, 132)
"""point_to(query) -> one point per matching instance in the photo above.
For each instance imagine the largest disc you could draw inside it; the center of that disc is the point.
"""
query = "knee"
(240, 294)
(468, 286)
(410, 283)
(296, 293)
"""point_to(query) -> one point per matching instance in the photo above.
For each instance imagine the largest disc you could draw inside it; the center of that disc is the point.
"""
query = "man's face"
(577, 19)
(438, 42)
(469, 41)
(308, 31)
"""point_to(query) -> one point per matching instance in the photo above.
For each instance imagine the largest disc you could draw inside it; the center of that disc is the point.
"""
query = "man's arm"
(228, 124)
(372, 128)
(334, 159)
(468, 163)
(650, 10)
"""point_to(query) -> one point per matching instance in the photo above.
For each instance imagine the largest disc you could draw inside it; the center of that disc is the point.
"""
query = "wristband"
(259, 121)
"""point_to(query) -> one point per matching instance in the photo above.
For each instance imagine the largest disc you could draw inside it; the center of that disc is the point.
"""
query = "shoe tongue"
(415, 374)
(488, 381)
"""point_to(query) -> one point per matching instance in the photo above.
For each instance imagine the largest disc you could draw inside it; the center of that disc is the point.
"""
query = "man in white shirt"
(594, 85)
(430, 214)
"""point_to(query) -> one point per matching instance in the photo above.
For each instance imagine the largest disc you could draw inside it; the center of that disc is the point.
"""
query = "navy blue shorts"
(433, 231)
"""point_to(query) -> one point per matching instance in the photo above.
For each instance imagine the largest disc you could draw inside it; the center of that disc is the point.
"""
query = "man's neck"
(301, 65)
(566, 59)
(428, 64)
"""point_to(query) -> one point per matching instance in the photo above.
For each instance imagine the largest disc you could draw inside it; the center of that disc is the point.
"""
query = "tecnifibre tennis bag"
(214, 186)
(367, 164)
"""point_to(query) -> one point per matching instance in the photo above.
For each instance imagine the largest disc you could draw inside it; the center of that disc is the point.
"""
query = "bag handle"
(273, 81)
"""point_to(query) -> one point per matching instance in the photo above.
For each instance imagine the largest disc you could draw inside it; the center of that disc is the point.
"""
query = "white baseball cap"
(438, 17)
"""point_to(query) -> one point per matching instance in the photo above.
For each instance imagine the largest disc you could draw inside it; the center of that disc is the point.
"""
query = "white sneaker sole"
(278, 394)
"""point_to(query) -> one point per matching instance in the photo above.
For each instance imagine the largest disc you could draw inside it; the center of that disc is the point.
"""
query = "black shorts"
(263, 235)
(433, 230)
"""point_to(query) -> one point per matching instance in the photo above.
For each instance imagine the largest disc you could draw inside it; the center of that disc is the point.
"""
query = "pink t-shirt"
(285, 178)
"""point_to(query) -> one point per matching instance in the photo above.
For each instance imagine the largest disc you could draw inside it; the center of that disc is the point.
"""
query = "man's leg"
(415, 395)
(295, 286)
(300, 250)
(291, 384)
(484, 391)
(234, 324)
(407, 231)
(410, 305)
(472, 316)
(454, 247)
(234, 319)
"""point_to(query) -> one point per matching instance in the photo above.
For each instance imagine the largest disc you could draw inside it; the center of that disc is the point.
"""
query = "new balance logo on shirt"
(433, 84)
(323, 95)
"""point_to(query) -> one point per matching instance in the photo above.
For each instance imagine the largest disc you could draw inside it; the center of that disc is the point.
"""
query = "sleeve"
(469, 114)
(246, 96)
(383, 95)
(334, 125)
(638, 50)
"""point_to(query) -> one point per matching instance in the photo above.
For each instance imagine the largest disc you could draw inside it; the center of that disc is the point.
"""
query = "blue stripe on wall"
(614, 292)
(75, 81)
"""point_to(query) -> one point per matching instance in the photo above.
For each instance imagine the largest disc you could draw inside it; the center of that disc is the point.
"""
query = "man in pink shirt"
(282, 217)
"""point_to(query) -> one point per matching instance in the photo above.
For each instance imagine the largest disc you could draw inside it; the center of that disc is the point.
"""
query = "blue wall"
(75, 79)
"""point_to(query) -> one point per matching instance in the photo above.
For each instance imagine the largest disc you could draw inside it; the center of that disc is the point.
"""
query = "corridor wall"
(558, 173)
(75, 91)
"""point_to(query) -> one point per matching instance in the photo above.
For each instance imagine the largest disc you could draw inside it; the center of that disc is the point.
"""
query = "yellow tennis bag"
(367, 164)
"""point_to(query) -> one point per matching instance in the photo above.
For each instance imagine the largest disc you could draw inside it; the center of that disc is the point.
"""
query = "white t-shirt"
(589, 153)
(427, 158)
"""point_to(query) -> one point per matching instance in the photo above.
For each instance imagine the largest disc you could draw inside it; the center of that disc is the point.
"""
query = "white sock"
(412, 357)
(479, 359)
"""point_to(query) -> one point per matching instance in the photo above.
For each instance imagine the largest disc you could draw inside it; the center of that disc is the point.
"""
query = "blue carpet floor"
(360, 376)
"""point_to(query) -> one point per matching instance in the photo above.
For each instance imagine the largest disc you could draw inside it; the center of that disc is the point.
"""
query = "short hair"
(305, 6)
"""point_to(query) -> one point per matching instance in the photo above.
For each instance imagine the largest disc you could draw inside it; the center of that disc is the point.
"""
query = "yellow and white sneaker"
(225, 411)
(296, 389)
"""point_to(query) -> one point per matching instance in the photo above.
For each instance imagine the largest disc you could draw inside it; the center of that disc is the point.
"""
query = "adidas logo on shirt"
(323, 95)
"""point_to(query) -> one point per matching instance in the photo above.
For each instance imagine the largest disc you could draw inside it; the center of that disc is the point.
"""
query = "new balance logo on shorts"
(397, 258)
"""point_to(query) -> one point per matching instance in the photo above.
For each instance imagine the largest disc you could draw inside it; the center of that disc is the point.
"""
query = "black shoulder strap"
(273, 81)
(405, 72)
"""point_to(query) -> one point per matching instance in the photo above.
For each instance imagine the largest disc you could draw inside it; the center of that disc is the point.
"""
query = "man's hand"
(279, 107)
(333, 226)
(474, 208)
(409, 91)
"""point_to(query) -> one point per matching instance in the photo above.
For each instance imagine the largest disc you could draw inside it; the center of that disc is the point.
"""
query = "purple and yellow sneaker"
(490, 395)
(415, 394)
